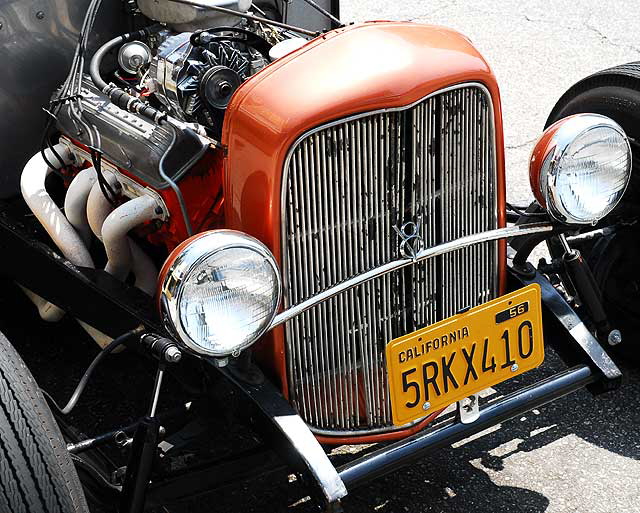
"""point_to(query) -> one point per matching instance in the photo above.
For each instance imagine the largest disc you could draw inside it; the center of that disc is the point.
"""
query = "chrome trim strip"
(425, 254)
(356, 432)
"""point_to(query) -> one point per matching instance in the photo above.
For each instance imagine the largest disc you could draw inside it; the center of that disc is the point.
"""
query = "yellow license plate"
(460, 356)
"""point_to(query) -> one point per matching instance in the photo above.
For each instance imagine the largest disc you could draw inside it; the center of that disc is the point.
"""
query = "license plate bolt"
(426, 406)
(514, 367)
(615, 338)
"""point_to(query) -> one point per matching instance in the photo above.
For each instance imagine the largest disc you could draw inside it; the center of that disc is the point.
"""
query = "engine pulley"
(217, 85)
(196, 81)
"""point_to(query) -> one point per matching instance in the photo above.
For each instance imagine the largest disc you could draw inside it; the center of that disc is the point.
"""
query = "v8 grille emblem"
(411, 242)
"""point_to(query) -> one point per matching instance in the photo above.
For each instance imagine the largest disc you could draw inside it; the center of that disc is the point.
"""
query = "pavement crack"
(532, 20)
(448, 5)
(606, 39)
(521, 145)
(589, 28)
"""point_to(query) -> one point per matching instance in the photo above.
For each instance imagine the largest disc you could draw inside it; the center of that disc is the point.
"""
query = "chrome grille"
(346, 186)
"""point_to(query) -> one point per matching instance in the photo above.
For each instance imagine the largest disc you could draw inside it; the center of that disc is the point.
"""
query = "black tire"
(615, 93)
(611, 92)
(36, 472)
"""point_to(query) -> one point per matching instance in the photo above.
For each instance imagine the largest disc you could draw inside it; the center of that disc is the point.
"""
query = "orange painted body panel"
(351, 70)
(205, 210)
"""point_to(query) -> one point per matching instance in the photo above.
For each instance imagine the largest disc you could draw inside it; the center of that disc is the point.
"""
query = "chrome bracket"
(469, 409)
(422, 255)
(589, 346)
(271, 415)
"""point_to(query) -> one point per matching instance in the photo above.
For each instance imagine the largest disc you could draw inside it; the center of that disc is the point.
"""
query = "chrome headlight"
(219, 292)
(580, 168)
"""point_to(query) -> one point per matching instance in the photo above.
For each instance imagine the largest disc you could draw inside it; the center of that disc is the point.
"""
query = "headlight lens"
(219, 292)
(580, 168)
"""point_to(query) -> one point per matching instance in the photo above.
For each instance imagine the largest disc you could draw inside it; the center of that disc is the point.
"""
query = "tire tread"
(36, 472)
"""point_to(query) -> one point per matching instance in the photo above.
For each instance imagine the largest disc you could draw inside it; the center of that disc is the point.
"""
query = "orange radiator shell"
(356, 69)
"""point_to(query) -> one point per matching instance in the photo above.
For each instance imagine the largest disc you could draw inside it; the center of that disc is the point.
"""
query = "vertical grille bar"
(347, 187)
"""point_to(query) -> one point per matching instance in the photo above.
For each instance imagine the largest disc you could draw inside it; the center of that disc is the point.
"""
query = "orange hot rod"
(281, 233)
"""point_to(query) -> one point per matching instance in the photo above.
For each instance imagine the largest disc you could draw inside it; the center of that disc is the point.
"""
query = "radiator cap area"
(284, 48)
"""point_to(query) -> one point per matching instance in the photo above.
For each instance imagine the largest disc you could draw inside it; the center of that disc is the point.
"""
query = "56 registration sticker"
(460, 356)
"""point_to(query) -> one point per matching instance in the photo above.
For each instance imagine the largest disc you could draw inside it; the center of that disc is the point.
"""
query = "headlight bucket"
(580, 168)
(219, 292)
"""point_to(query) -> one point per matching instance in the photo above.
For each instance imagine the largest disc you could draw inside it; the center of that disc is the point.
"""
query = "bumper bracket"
(591, 349)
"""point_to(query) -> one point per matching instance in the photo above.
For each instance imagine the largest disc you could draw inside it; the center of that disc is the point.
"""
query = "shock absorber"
(587, 289)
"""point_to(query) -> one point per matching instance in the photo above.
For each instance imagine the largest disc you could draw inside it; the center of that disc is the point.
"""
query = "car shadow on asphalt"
(459, 479)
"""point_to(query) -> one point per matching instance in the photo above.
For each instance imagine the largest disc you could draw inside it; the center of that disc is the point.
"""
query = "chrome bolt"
(514, 367)
(40, 15)
(121, 439)
(471, 401)
(173, 355)
(426, 406)
(615, 337)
